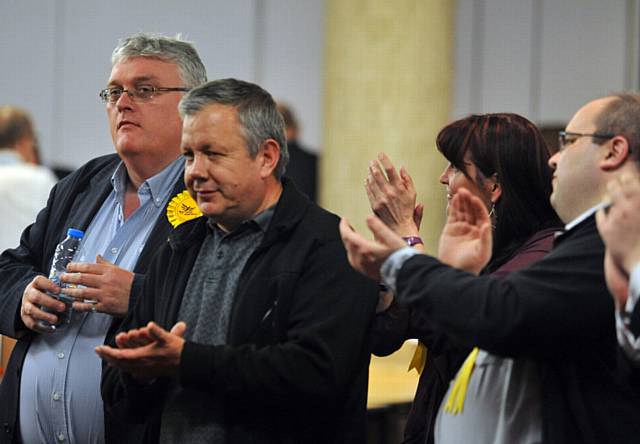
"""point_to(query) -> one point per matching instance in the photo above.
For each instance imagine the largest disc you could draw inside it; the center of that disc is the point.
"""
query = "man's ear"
(617, 153)
(269, 156)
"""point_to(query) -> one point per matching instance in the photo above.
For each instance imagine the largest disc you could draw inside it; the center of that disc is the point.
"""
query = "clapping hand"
(392, 196)
(466, 240)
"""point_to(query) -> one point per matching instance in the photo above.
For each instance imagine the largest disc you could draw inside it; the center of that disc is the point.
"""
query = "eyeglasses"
(140, 93)
(566, 138)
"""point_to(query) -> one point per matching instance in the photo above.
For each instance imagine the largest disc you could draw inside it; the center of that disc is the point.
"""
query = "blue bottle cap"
(75, 233)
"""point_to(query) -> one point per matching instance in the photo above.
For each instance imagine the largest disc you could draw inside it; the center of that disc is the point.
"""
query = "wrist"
(407, 229)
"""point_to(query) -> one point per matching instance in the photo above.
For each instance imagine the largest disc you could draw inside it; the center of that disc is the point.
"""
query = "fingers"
(31, 313)
(464, 206)
(376, 183)
(84, 293)
(117, 357)
(86, 267)
(479, 210)
(352, 240)
(384, 234)
(466, 210)
(454, 212)
(346, 232)
(406, 179)
(135, 338)
(389, 169)
(85, 279)
(36, 297)
(371, 192)
(418, 212)
(105, 352)
(158, 333)
(42, 284)
(33, 299)
(102, 261)
(179, 329)
(85, 307)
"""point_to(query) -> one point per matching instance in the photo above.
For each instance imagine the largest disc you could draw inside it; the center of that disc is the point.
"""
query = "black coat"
(557, 312)
(295, 368)
(445, 357)
(73, 202)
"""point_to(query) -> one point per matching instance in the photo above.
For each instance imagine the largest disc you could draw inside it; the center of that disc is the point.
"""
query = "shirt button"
(56, 396)
(114, 250)
(61, 437)
(220, 254)
(60, 355)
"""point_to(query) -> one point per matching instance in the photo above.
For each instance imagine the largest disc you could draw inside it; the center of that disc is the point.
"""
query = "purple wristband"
(412, 240)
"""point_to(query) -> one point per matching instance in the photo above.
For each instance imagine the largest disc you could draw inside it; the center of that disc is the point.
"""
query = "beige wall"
(388, 78)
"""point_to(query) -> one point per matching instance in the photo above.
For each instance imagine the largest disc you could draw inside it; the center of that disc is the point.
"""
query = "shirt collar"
(159, 186)
(9, 157)
(581, 218)
(260, 220)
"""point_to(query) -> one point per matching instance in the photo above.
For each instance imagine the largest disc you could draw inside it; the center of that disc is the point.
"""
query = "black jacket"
(559, 313)
(73, 202)
(445, 357)
(296, 365)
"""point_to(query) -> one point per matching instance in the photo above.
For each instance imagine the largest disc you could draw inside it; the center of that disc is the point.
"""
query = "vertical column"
(388, 86)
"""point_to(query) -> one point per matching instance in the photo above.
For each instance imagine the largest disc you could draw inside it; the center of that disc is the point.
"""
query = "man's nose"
(124, 101)
(197, 169)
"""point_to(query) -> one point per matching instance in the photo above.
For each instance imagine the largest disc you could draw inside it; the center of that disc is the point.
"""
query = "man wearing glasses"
(51, 391)
(251, 326)
(557, 312)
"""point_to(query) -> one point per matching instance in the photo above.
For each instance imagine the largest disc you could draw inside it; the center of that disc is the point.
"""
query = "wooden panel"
(390, 382)
(6, 346)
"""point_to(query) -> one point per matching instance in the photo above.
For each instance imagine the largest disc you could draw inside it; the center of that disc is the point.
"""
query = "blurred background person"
(24, 184)
(503, 160)
(303, 164)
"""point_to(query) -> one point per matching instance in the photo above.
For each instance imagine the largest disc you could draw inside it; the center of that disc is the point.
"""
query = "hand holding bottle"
(102, 287)
(35, 297)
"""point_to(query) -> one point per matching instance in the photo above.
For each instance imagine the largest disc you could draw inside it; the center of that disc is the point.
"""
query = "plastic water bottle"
(65, 251)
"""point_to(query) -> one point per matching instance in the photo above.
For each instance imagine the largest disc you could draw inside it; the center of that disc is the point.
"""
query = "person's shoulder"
(98, 163)
(43, 175)
(298, 151)
(27, 171)
(320, 222)
(93, 169)
(541, 241)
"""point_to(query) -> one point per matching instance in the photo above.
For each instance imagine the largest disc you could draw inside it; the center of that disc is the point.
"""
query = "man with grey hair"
(251, 326)
(51, 389)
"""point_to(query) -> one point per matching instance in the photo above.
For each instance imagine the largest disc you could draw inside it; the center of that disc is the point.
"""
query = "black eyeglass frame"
(562, 137)
(105, 94)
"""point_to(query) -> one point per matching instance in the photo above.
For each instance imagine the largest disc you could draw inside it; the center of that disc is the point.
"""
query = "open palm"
(466, 241)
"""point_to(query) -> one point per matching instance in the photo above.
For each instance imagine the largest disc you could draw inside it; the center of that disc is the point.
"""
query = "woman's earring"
(493, 216)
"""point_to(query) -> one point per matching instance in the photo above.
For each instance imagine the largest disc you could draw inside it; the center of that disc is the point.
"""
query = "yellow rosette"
(182, 208)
